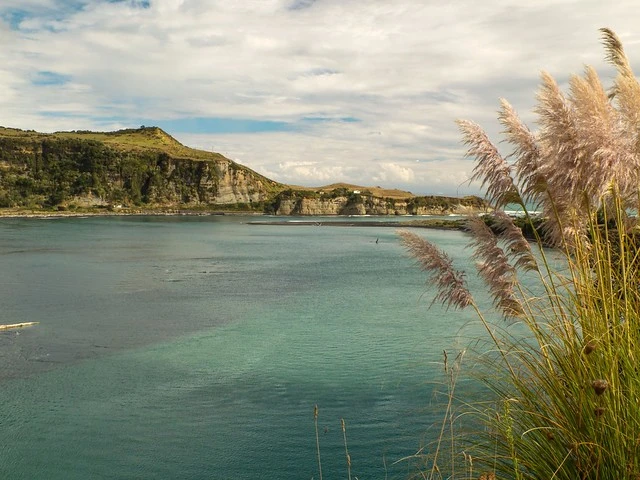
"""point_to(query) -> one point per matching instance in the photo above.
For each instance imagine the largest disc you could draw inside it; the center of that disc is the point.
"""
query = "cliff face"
(237, 186)
(311, 206)
(40, 170)
(306, 203)
(188, 182)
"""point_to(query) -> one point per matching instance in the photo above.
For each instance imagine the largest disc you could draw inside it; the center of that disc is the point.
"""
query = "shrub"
(567, 392)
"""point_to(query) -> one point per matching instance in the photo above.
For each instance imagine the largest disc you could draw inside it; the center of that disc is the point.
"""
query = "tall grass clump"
(566, 389)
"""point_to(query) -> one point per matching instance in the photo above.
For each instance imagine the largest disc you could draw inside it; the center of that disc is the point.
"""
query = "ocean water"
(197, 347)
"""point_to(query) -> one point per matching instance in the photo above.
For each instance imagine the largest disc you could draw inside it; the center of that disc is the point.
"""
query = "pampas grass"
(451, 284)
(565, 394)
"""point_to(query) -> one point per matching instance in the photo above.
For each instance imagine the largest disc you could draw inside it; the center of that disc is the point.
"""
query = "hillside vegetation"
(147, 169)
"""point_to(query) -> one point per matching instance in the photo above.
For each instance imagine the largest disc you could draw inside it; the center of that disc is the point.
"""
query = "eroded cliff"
(141, 167)
(338, 202)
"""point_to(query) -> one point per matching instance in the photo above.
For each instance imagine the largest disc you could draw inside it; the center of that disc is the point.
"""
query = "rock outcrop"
(311, 203)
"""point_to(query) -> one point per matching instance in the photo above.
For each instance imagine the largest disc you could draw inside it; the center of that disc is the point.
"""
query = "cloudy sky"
(308, 92)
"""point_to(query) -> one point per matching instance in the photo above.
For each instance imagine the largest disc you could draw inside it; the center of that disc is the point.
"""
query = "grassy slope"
(148, 138)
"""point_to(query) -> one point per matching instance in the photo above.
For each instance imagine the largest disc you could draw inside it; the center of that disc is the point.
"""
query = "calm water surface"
(197, 347)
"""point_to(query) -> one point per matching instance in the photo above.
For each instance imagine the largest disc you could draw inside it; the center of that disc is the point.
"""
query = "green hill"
(134, 168)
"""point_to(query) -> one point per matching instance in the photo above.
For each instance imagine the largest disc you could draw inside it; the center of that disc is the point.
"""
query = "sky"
(306, 92)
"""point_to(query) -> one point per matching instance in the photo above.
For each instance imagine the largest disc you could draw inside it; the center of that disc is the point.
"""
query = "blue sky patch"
(61, 9)
(134, 3)
(219, 125)
(14, 17)
(300, 4)
(46, 78)
(239, 125)
(312, 120)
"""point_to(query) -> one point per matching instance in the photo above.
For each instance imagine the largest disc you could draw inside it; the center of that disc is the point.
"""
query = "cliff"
(138, 167)
(342, 201)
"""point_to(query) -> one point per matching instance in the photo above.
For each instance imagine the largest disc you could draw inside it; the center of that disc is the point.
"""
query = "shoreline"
(136, 213)
(335, 221)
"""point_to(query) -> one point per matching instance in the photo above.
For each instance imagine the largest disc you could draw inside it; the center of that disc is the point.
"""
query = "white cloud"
(392, 172)
(405, 69)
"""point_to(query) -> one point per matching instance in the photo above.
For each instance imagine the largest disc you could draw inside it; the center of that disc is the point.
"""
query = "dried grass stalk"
(451, 283)
(517, 246)
(492, 170)
(526, 153)
(494, 268)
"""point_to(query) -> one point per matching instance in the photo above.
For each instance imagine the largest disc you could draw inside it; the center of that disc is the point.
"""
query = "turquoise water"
(197, 347)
